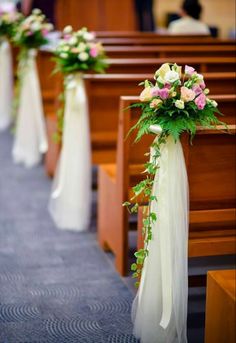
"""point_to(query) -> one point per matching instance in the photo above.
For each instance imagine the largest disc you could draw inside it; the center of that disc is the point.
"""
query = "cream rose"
(161, 72)
(146, 94)
(155, 103)
(83, 56)
(187, 94)
(179, 104)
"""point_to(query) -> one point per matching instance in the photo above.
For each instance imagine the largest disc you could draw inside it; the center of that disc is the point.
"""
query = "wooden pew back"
(167, 40)
(170, 51)
(150, 65)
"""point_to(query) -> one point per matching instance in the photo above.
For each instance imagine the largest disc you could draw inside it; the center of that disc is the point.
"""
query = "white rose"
(206, 91)
(72, 41)
(49, 27)
(83, 56)
(213, 103)
(36, 11)
(179, 104)
(63, 55)
(36, 26)
(66, 48)
(68, 29)
(81, 46)
(171, 76)
(88, 36)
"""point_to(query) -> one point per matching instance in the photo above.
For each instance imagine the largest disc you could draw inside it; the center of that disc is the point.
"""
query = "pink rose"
(197, 89)
(163, 93)
(200, 101)
(93, 51)
(167, 85)
(45, 32)
(155, 91)
(189, 70)
(202, 85)
(67, 37)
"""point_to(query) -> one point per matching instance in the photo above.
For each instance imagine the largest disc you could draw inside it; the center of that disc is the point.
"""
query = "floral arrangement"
(9, 20)
(32, 31)
(177, 102)
(78, 52)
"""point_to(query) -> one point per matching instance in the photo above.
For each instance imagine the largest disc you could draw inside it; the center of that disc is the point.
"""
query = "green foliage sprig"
(177, 102)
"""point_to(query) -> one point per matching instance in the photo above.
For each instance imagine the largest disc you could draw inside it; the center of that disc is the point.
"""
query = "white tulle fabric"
(6, 85)
(30, 136)
(159, 311)
(70, 200)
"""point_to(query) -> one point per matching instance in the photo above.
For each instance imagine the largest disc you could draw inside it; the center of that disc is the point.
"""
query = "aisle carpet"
(55, 286)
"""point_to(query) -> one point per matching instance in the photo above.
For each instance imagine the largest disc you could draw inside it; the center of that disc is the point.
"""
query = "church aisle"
(55, 286)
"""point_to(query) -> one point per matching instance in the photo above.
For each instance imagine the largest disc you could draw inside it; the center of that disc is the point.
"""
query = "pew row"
(165, 40)
(51, 83)
(103, 109)
(150, 65)
(170, 51)
(211, 173)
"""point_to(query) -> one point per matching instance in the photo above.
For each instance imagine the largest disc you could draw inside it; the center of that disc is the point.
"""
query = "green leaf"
(134, 267)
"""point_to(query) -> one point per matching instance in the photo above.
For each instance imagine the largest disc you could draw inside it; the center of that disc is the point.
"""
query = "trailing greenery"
(178, 103)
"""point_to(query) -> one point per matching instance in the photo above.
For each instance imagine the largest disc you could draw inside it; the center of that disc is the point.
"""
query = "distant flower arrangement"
(9, 19)
(32, 31)
(78, 51)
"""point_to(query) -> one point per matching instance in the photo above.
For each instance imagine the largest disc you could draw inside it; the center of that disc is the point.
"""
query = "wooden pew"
(165, 40)
(150, 65)
(103, 108)
(211, 171)
(51, 83)
(140, 34)
(170, 51)
(221, 307)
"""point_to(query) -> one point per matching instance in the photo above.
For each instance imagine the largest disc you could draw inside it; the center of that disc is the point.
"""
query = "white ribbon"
(70, 200)
(30, 137)
(6, 85)
(159, 310)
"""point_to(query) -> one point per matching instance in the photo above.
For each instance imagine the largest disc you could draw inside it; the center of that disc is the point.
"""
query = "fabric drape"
(70, 200)
(159, 311)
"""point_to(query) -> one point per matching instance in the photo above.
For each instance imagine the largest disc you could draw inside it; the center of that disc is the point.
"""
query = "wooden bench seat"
(211, 172)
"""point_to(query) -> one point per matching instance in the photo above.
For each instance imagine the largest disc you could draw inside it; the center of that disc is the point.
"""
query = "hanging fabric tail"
(70, 199)
(30, 137)
(6, 85)
(159, 310)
